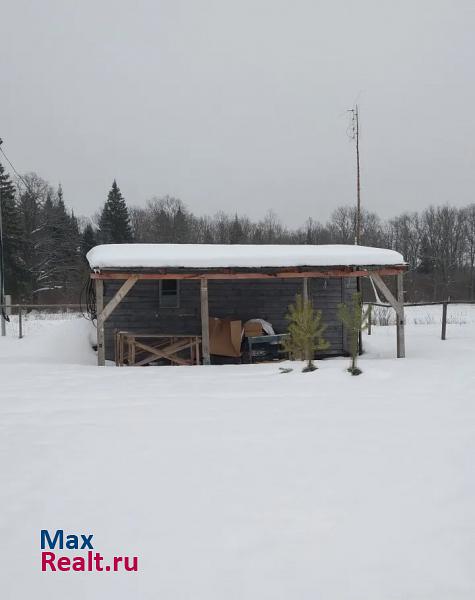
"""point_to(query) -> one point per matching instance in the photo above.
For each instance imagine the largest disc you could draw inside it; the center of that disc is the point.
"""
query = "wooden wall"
(243, 299)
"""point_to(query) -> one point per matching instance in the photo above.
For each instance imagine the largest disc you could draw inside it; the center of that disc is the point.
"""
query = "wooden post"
(104, 312)
(20, 325)
(370, 314)
(204, 321)
(397, 304)
(401, 345)
(305, 290)
(101, 355)
(444, 320)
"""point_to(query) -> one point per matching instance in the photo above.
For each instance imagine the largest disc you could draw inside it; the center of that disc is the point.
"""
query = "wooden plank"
(401, 345)
(398, 305)
(197, 343)
(444, 321)
(278, 274)
(305, 289)
(169, 355)
(376, 277)
(204, 322)
(131, 355)
(119, 296)
(101, 356)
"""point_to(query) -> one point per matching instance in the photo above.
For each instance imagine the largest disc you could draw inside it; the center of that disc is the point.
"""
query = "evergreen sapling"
(306, 329)
(355, 320)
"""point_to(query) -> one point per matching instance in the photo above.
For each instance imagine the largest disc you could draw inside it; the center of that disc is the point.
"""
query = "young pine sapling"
(306, 329)
(355, 320)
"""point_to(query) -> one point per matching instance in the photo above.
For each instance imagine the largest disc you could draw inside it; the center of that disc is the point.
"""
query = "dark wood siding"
(239, 299)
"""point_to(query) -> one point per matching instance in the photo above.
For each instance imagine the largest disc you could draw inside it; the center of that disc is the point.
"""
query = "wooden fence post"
(444, 320)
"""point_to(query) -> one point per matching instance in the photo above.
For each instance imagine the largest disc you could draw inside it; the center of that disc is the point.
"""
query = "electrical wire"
(20, 177)
(87, 300)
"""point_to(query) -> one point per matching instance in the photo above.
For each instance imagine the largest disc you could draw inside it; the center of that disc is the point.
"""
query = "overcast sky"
(241, 105)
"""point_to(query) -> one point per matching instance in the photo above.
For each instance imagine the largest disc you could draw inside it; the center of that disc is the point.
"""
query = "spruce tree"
(236, 232)
(57, 248)
(305, 330)
(114, 222)
(88, 240)
(13, 272)
(355, 320)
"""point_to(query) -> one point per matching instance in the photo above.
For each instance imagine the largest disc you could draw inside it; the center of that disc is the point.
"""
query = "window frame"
(162, 295)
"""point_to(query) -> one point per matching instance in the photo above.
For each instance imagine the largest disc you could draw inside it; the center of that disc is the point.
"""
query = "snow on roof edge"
(203, 256)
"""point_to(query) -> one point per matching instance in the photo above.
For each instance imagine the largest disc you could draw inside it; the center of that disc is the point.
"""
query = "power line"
(12, 166)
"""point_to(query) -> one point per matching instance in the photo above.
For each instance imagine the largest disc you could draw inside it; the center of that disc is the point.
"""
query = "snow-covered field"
(237, 482)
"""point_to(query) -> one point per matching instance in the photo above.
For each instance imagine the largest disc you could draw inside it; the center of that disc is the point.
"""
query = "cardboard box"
(225, 336)
(253, 328)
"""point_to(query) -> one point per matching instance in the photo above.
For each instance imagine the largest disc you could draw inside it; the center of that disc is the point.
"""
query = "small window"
(169, 293)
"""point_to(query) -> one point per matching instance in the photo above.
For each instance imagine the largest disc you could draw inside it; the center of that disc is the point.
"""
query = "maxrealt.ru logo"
(89, 560)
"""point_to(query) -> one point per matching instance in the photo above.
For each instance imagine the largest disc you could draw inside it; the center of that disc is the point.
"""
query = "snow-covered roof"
(210, 256)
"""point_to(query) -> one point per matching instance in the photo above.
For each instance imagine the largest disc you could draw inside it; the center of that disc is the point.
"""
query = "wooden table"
(149, 347)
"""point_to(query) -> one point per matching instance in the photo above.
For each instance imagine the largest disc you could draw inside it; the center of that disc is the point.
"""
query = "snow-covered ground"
(237, 482)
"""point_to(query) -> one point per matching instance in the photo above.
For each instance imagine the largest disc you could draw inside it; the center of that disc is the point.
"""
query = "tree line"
(45, 243)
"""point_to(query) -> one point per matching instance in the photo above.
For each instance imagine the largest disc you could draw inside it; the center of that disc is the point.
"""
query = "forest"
(45, 243)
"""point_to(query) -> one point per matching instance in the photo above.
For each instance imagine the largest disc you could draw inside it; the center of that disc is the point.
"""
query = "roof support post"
(104, 312)
(401, 344)
(204, 321)
(397, 304)
(305, 290)
(101, 357)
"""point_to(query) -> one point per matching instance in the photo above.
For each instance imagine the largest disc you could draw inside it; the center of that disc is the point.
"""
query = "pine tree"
(88, 240)
(355, 320)
(236, 232)
(114, 222)
(57, 248)
(13, 273)
(306, 330)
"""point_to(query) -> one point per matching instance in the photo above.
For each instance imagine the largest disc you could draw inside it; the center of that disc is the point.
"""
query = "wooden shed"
(170, 291)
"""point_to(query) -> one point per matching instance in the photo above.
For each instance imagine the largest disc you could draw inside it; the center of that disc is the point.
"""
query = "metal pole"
(20, 325)
(358, 188)
(2, 274)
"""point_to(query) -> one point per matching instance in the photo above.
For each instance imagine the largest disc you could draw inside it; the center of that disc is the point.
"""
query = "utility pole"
(354, 133)
(2, 270)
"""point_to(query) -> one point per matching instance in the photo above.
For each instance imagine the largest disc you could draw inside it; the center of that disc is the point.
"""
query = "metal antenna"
(354, 134)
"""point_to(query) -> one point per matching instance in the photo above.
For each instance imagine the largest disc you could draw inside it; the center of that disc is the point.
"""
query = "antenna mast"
(354, 133)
